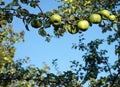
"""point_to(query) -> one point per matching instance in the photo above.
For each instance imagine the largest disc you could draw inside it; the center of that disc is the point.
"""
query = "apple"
(36, 23)
(83, 25)
(105, 14)
(55, 19)
(112, 17)
(95, 18)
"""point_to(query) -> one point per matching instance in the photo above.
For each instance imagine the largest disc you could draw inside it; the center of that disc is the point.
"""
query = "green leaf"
(33, 4)
(26, 26)
(2, 3)
(114, 67)
(15, 3)
(48, 14)
(46, 24)
(42, 32)
(23, 12)
(9, 17)
(24, 1)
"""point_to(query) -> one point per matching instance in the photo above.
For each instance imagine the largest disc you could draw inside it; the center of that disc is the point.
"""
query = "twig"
(114, 80)
(40, 9)
(108, 68)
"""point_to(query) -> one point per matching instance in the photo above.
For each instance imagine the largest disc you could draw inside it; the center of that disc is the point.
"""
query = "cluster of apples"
(83, 25)
(94, 18)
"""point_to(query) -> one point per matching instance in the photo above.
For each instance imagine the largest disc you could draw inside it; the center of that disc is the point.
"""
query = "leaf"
(48, 14)
(48, 39)
(26, 26)
(15, 3)
(2, 3)
(33, 4)
(42, 32)
(24, 12)
(24, 1)
(28, 20)
(8, 17)
(114, 67)
(46, 24)
(72, 18)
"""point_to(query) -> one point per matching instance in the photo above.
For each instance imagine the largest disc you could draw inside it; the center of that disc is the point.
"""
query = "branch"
(114, 80)
(40, 9)
(108, 68)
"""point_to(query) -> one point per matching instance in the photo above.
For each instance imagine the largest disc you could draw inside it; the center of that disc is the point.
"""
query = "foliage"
(7, 40)
(96, 62)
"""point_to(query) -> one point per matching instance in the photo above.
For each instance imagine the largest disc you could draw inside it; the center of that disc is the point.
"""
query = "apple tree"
(75, 17)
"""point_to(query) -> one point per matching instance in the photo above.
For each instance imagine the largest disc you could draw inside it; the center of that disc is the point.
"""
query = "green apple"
(36, 23)
(112, 17)
(95, 18)
(105, 14)
(83, 25)
(55, 19)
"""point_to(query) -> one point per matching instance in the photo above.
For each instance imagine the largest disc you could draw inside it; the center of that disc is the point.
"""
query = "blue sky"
(41, 51)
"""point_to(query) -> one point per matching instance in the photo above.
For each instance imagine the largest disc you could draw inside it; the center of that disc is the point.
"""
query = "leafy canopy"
(70, 12)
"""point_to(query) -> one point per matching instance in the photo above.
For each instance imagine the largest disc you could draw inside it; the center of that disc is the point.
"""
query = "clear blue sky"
(41, 51)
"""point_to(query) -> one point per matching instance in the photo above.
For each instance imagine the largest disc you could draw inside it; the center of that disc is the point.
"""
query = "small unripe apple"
(36, 23)
(112, 17)
(95, 18)
(56, 19)
(105, 14)
(83, 25)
